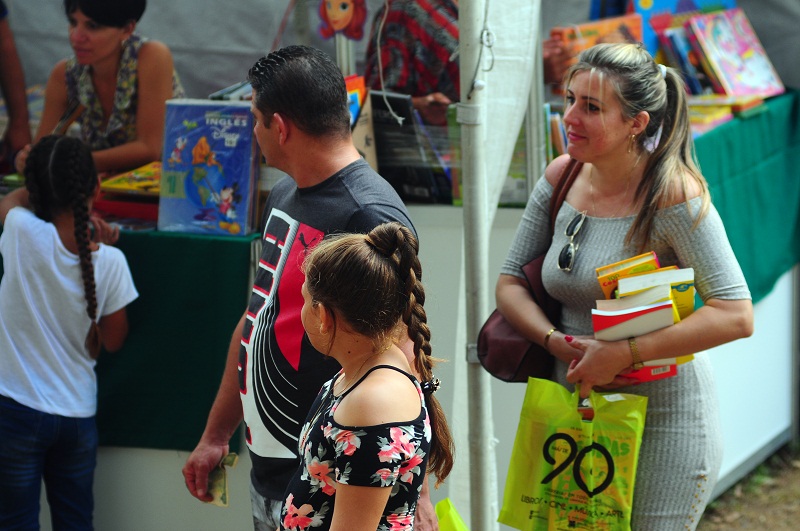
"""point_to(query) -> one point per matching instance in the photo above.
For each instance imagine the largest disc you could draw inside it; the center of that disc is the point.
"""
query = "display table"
(753, 170)
(156, 392)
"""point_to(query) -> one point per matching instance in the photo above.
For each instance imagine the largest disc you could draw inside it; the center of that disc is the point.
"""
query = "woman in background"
(638, 189)
(121, 79)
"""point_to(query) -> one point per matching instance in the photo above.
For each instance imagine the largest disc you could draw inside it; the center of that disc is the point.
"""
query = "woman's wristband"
(547, 337)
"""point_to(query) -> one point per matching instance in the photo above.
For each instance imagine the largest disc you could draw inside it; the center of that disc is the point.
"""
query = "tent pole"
(483, 469)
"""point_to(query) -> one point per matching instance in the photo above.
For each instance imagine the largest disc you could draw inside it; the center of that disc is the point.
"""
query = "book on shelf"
(144, 180)
(609, 275)
(356, 93)
(703, 100)
(734, 57)
(364, 134)
(209, 168)
(680, 280)
(703, 119)
(653, 13)
(579, 37)
(558, 134)
(681, 55)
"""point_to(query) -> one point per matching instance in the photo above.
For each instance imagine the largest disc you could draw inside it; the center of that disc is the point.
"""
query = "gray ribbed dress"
(682, 444)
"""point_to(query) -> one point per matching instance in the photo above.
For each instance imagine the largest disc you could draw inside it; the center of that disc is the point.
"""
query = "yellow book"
(609, 275)
(145, 180)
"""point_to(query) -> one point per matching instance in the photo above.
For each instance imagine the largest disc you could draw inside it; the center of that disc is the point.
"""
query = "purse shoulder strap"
(568, 176)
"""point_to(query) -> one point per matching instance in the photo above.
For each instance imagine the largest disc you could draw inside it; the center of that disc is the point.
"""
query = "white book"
(660, 293)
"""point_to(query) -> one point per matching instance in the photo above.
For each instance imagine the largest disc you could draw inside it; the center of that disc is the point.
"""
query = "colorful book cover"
(579, 37)
(209, 168)
(356, 93)
(687, 61)
(705, 118)
(733, 54)
(650, 9)
(608, 276)
(145, 180)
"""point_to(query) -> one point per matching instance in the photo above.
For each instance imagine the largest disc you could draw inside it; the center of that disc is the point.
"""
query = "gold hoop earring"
(631, 143)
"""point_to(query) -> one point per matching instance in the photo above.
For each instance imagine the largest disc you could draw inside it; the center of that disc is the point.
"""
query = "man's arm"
(225, 416)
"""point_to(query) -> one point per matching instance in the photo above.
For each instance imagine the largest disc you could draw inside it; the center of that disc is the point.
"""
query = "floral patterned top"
(393, 454)
(121, 127)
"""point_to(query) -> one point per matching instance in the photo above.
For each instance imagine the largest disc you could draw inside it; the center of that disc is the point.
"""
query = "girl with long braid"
(374, 430)
(62, 299)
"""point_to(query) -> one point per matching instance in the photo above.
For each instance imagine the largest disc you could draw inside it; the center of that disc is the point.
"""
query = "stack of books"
(717, 52)
(642, 298)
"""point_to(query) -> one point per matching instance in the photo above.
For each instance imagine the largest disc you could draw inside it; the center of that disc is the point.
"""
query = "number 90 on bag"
(567, 473)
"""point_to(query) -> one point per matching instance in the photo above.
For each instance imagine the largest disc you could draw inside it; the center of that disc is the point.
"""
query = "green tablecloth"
(753, 169)
(157, 391)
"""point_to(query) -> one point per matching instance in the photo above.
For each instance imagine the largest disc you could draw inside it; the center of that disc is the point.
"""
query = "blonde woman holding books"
(638, 189)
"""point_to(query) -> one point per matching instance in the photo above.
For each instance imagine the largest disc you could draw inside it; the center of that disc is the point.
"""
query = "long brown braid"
(60, 175)
(373, 282)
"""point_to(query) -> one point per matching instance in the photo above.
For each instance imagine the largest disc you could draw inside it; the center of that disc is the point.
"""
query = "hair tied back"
(431, 386)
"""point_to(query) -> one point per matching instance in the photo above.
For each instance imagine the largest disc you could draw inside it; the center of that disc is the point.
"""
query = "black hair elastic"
(431, 386)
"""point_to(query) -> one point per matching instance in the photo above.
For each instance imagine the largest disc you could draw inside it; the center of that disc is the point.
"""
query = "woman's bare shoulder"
(59, 71)
(384, 396)
(680, 193)
(555, 169)
(154, 53)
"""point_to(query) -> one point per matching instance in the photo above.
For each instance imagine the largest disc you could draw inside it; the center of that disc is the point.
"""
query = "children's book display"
(642, 298)
(653, 11)
(209, 168)
(736, 61)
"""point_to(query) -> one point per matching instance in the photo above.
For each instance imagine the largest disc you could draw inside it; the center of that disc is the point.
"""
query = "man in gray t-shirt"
(302, 124)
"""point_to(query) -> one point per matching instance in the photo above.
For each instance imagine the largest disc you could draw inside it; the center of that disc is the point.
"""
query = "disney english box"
(209, 168)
